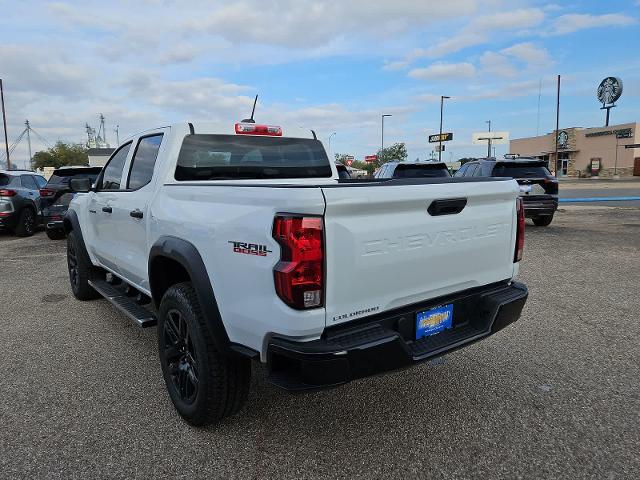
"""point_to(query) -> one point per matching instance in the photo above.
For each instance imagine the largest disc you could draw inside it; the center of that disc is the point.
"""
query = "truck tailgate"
(384, 250)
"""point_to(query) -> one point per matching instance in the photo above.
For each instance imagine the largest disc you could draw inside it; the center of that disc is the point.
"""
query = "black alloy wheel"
(182, 361)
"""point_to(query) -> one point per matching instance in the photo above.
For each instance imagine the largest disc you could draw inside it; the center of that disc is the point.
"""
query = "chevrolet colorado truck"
(247, 246)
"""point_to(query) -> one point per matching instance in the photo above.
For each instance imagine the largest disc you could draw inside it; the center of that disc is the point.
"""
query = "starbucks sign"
(609, 90)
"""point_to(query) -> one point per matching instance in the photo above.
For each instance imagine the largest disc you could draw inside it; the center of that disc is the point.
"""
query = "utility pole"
(557, 126)
(489, 141)
(442, 97)
(4, 121)
(26, 122)
(382, 139)
(117, 135)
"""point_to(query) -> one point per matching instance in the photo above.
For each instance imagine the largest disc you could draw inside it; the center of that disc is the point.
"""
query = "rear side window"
(113, 171)
(144, 159)
(41, 181)
(235, 157)
(462, 171)
(521, 170)
(420, 171)
(28, 182)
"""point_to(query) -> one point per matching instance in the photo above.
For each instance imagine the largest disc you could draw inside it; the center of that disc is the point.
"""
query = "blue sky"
(333, 66)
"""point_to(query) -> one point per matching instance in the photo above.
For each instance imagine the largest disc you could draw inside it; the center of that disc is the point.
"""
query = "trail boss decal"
(250, 248)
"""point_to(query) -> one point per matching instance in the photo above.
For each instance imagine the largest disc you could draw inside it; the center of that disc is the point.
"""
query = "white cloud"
(529, 53)
(480, 29)
(443, 71)
(577, 21)
(496, 64)
(310, 24)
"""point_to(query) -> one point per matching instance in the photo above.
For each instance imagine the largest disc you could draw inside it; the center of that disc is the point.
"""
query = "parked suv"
(538, 188)
(56, 195)
(396, 169)
(20, 209)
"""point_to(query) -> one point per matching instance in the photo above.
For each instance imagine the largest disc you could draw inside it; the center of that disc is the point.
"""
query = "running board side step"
(142, 317)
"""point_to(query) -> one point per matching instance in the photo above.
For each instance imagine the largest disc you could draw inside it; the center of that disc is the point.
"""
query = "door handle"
(447, 206)
(107, 209)
(92, 211)
(137, 213)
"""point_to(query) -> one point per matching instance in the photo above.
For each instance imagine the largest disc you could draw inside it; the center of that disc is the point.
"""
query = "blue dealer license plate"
(434, 320)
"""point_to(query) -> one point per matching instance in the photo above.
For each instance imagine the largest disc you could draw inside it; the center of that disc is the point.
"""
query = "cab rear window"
(521, 170)
(235, 157)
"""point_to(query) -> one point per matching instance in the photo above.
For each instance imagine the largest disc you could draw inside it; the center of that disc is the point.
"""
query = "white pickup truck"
(247, 246)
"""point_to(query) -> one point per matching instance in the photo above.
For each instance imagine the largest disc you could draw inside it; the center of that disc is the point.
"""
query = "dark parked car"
(538, 188)
(56, 196)
(412, 170)
(20, 203)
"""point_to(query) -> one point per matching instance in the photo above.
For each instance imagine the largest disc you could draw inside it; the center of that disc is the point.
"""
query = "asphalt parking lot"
(556, 395)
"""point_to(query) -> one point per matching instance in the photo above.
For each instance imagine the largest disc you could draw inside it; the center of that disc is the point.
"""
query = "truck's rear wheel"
(79, 270)
(204, 385)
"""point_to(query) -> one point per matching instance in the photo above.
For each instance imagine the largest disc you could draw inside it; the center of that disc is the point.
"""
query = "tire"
(543, 221)
(56, 234)
(26, 223)
(80, 270)
(204, 385)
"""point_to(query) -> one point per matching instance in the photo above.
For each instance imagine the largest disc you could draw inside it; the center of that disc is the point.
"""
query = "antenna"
(251, 120)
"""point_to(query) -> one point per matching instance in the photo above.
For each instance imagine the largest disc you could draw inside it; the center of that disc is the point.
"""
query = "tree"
(60, 155)
(368, 167)
(342, 158)
(397, 151)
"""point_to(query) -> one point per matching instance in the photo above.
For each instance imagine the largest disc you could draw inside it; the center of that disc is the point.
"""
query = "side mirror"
(80, 185)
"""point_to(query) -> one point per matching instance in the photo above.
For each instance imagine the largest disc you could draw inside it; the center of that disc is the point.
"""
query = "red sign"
(370, 158)
(349, 162)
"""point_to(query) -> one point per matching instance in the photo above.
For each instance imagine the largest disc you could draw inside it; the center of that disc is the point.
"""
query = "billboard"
(370, 158)
(497, 138)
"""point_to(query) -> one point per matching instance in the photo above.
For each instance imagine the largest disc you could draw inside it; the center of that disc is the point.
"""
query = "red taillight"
(255, 129)
(299, 275)
(5, 192)
(46, 192)
(520, 231)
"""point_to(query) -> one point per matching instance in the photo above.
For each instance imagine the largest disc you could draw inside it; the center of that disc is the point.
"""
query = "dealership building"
(583, 150)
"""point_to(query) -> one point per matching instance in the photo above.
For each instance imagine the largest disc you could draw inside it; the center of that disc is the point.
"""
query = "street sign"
(349, 162)
(633, 145)
(440, 148)
(370, 158)
(437, 138)
(497, 138)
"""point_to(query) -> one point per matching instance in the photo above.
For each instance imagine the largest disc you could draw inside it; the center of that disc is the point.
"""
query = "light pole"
(4, 121)
(442, 97)
(329, 141)
(382, 135)
(489, 142)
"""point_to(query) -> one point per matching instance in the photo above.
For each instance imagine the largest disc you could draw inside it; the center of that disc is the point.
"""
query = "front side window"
(144, 159)
(112, 175)
(237, 157)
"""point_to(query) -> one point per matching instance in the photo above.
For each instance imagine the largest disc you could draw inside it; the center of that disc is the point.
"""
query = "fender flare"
(71, 223)
(187, 255)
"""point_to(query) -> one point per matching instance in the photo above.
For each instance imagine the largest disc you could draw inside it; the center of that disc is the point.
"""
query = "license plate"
(434, 320)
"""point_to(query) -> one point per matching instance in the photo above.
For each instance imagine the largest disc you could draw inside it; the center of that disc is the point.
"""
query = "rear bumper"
(53, 224)
(387, 342)
(9, 220)
(539, 205)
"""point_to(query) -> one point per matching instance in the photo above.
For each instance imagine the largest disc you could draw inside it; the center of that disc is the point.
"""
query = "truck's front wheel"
(204, 385)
